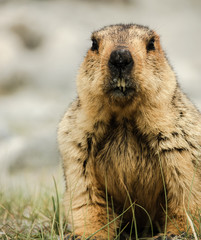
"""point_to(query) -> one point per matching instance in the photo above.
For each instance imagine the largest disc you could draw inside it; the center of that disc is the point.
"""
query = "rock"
(29, 37)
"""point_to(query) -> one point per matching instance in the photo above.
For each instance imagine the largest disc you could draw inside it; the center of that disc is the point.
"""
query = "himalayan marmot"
(130, 142)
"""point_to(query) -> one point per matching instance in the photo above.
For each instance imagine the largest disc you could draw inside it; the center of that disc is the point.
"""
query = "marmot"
(131, 141)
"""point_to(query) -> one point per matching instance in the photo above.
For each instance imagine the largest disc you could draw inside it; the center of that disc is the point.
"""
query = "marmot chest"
(125, 163)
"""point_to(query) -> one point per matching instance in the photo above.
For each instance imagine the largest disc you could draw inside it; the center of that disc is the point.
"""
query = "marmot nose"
(120, 58)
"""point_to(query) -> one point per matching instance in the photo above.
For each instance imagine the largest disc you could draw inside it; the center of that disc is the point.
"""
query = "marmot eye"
(150, 45)
(94, 46)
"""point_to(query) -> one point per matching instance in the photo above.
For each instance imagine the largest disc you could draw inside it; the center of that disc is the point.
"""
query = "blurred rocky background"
(42, 44)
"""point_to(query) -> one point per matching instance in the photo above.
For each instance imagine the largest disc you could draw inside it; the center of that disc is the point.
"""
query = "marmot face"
(125, 65)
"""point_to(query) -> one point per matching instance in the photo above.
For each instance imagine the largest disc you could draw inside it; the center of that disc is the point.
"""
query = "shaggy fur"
(114, 143)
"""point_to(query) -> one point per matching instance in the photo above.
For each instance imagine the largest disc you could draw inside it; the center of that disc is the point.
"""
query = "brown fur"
(119, 144)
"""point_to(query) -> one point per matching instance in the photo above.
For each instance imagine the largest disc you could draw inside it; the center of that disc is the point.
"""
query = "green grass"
(38, 213)
(27, 213)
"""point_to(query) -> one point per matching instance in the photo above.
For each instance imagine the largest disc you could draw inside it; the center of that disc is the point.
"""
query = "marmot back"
(131, 140)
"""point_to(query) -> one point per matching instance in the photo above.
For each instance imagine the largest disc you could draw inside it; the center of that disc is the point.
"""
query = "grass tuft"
(31, 215)
(38, 214)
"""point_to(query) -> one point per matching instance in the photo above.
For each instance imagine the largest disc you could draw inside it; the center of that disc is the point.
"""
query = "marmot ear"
(151, 45)
(94, 46)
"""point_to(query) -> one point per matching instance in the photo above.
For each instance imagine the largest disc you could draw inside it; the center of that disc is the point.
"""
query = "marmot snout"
(130, 137)
(121, 83)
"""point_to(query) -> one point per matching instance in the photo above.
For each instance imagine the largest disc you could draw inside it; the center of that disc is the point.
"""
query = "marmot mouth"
(121, 89)
(122, 92)
(121, 84)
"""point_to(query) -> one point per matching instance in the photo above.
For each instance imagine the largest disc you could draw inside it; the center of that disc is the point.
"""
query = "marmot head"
(125, 66)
